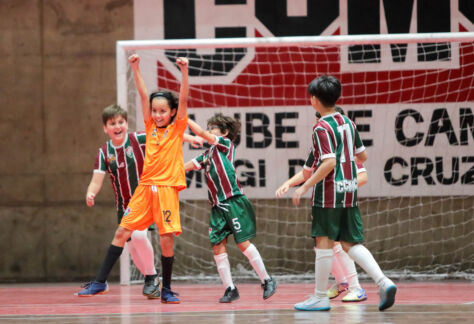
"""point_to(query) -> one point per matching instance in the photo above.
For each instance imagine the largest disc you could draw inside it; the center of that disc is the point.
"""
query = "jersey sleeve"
(199, 161)
(324, 143)
(223, 144)
(181, 125)
(141, 137)
(361, 168)
(309, 163)
(99, 164)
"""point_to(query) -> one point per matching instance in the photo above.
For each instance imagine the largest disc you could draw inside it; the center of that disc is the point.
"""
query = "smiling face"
(116, 128)
(161, 112)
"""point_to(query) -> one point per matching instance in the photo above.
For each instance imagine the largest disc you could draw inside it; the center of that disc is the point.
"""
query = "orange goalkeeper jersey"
(164, 164)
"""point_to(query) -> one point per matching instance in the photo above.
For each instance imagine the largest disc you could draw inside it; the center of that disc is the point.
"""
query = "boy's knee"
(122, 234)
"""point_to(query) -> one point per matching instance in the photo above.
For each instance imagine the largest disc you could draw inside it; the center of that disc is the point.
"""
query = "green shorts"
(339, 224)
(233, 216)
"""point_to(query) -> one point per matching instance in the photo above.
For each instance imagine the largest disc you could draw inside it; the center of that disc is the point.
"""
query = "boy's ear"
(105, 129)
(226, 132)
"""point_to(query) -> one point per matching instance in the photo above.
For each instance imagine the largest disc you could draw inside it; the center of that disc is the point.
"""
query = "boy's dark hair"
(337, 108)
(326, 88)
(112, 111)
(225, 123)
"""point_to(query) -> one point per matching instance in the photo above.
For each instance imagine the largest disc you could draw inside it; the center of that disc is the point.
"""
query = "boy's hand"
(282, 190)
(197, 142)
(90, 199)
(298, 194)
(134, 61)
(182, 62)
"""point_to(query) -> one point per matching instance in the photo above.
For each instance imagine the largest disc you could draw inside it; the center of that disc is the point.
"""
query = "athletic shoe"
(93, 288)
(269, 287)
(387, 291)
(314, 303)
(152, 286)
(230, 295)
(355, 295)
(337, 289)
(168, 296)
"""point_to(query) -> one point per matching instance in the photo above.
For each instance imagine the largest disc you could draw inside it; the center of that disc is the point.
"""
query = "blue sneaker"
(387, 291)
(314, 303)
(168, 296)
(93, 288)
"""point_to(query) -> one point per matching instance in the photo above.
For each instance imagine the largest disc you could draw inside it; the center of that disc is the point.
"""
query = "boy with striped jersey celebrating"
(337, 148)
(232, 212)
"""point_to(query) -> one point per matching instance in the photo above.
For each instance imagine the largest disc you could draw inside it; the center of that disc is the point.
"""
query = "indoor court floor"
(416, 302)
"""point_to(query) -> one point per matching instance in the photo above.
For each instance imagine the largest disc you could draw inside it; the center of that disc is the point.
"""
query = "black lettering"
(237, 140)
(167, 215)
(440, 123)
(425, 171)
(292, 166)
(466, 122)
(194, 173)
(261, 173)
(363, 18)
(468, 177)
(398, 16)
(387, 171)
(361, 128)
(281, 129)
(320, 14)
(181, 24)
(454, 173)
(401, 138)
(246, 178)
(262, 129)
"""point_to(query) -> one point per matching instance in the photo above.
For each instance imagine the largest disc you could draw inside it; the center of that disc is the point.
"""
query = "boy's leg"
(347, 265)
(366, 261)
(99, 286)
(142, 254)
(223, 267)
(338, 272)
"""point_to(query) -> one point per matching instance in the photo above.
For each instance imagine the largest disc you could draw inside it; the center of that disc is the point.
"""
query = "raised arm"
(94, 187)
(184, 88)
(208, 137)
(134, 61)
(195, 141)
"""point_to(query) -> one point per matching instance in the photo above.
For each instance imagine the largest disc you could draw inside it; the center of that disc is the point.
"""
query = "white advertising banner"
(413, 149)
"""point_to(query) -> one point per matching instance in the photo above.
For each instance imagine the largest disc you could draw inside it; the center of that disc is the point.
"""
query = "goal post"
(412, 98)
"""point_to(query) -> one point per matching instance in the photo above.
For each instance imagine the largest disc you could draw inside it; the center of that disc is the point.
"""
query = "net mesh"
(411, 234)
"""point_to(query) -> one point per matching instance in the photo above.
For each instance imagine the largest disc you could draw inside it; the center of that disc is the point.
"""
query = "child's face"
(215, 130)
(161, 112)
(316, 104)
(116, 128)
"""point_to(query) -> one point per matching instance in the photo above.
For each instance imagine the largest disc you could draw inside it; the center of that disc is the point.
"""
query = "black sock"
(167, 270)
(111, 257)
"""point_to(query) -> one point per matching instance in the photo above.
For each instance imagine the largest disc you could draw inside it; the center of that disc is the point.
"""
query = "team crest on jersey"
(210, 230)
(127, 211)
(129, 152)
(111, 158)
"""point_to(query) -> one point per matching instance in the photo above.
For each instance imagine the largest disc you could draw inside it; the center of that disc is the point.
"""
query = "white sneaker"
(314, 303)
(387, 291)
(355, 295)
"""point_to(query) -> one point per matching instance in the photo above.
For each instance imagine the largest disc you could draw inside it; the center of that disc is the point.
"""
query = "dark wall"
(57, 74)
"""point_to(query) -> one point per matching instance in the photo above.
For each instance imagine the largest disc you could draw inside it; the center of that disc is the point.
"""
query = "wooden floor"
(416, 302)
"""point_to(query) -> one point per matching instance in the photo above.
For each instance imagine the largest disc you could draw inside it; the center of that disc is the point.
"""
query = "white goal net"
(412, 98)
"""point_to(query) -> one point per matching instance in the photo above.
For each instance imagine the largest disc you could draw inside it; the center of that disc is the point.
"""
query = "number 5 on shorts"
(236, 223)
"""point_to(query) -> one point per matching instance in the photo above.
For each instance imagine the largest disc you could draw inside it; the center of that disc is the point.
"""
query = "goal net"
(412, 98)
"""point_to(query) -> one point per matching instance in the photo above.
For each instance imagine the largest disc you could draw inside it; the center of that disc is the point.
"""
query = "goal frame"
(123, 46)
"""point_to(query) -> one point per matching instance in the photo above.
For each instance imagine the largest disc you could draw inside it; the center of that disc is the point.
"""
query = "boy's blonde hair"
(112, 111)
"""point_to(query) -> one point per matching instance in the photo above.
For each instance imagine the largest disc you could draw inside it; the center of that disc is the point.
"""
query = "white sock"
(337, 269)
(256, 261)
(348, 267)
(223, 267)
(366, 261)
(143, 252)
(322, 268)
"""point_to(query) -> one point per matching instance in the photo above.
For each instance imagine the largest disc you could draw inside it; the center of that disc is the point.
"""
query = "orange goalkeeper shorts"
(150, 203)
